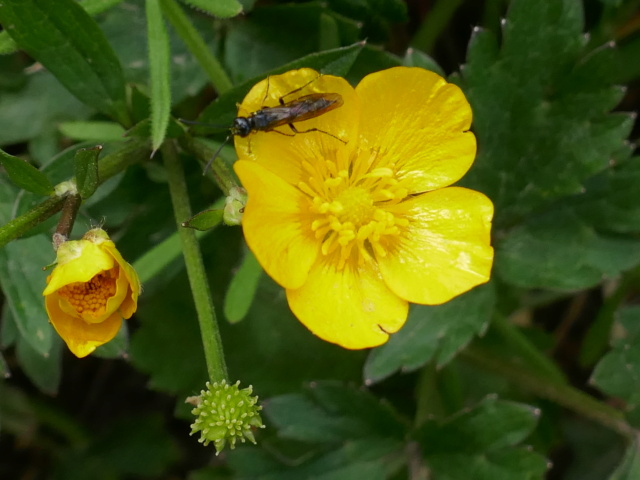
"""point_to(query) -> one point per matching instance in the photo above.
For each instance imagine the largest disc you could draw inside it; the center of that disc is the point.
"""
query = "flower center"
(92, 296)
(349, 200)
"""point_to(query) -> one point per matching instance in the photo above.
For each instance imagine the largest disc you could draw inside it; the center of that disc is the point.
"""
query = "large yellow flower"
(90, 291)
(355, 231)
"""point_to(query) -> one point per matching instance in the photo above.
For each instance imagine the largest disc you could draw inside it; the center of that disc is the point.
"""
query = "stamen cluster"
(349, 197)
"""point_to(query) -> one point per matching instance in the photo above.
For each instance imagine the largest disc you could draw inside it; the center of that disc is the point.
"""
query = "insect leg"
(282, 102)
(296, 131)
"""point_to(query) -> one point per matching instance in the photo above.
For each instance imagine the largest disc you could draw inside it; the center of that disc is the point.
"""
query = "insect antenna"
(204, 172)
(201, 124)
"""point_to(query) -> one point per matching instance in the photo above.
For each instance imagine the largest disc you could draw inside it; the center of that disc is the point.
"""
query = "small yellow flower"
(355, 231)
(90, 291)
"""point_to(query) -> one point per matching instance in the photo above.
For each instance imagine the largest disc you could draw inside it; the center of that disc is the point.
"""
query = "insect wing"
(269, 118)
(313, 105)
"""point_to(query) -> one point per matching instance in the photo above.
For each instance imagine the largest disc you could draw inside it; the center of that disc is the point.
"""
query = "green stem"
(109, 166)
(533, 357)
(562, 394)
(131, 153)
(436, 21)
(22, 224)
(196, 45)
(209, 331)
(222, 173)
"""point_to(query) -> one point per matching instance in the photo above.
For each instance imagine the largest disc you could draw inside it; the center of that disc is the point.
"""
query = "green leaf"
(160, 74)
(629, 469)
(274, 352)
(332, 413)
(558, 250)
(258, 43)
(417, 58)
(23, 281)
(94, 7)
(7, 44)
(540, 104)
(184, 27)
(205, 220)
(618, 373)
(25, 175)
(86, 170)
(481, 443)
(491, 426)
(610, 199)
(371, 458)
(512, 464)
(432, 331)
(68, 42)
(242, 289)
(93, 131)
(45, 371)
(219, 8)
(30, 112)
(133, 447)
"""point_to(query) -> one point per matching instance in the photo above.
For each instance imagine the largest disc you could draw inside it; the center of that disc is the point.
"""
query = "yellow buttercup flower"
(356, 229)
(90, 291)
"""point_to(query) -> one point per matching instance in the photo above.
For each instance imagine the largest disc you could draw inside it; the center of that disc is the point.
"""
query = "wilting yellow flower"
(90, 291)
(354, 231)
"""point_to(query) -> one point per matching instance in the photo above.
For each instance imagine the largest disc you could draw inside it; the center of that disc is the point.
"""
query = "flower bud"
(90, 291)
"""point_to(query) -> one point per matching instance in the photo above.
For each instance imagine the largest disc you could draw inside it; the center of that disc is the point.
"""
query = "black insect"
(267, 119)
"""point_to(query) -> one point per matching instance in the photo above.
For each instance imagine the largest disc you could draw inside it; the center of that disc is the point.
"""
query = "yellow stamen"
(349, 196)
(92, 296)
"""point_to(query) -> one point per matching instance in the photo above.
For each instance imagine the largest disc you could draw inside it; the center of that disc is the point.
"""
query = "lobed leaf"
(432, 332)
(67, 41)
(547, 149)
(373, 459)
(482, 443)
(560, 250)
(618, 373)
(541, 116)
(330, 412)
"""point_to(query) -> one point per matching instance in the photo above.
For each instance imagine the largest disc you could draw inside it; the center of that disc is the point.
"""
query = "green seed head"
(225, 413)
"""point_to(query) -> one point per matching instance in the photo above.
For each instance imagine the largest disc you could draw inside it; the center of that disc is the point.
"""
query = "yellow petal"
(275, 226)
(82, 338)
(130, 302)
(419, 122)
(90, 260)
(352, 307)
(282, 154)
(445, 249)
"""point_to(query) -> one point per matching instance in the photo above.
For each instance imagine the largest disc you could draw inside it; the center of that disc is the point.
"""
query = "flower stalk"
(67, 219)
(562, 394)
(196, 272)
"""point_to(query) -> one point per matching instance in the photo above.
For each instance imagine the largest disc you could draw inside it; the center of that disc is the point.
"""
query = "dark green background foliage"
(534, 375)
